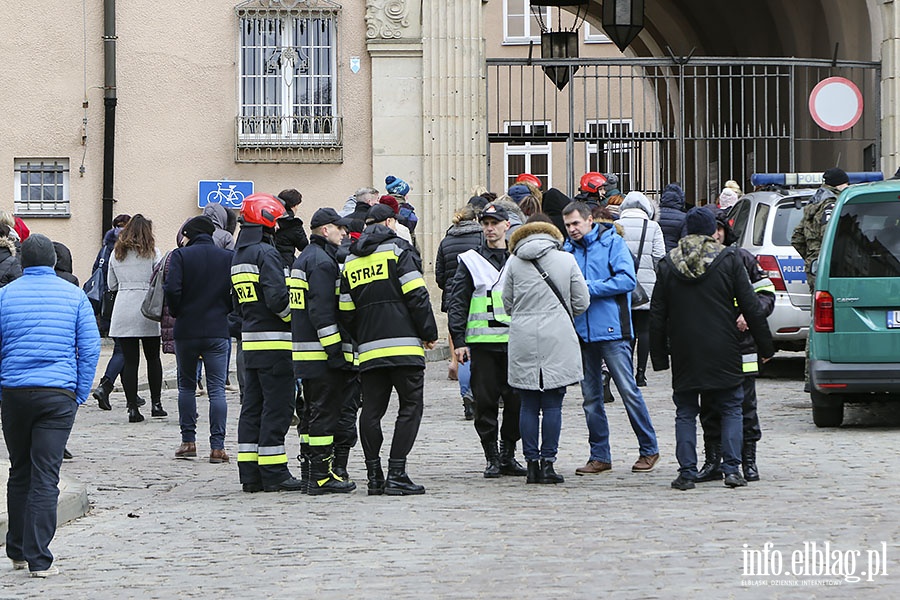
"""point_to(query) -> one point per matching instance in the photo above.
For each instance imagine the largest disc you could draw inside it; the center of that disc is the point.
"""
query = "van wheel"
(827, 411)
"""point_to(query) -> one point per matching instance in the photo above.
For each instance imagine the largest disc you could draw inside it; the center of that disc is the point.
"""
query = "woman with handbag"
(543, 288)
(130, 269)
(647, 244)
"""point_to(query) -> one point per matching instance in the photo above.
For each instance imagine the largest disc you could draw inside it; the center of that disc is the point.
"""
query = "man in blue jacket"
(49, 348)
(605, 332)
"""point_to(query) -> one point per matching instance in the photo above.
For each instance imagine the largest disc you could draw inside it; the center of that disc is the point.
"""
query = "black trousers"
(640, 320)
(131, 348)
(269, 396)
(36, 427)
(376, 394)
(489, 384)
(710, 420)
(327, 402)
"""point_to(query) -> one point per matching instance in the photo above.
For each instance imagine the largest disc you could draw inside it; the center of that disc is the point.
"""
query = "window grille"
(41, 187)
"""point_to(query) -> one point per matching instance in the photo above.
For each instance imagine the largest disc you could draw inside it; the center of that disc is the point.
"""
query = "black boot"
(156, 409)
(508, 463)
(748, 461)
(712, 468)
(468, 407)
(304, 459)
(641, 378)
(492, 455)
(134, 415)
(534, 472)
(376, 477)
(607, 391)
(339, 466)
(548, 475)
(322, 480)
(398, 482)
(102, 393)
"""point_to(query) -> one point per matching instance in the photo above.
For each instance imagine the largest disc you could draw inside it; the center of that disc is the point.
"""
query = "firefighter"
(386, 308)
(259, 279)
(479, 327)
(322, 351)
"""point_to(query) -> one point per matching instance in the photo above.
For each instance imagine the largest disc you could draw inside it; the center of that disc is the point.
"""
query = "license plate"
(893, 319)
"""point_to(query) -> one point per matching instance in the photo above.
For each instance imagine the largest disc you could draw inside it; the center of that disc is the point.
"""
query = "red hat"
(391, 202)
(529, 178)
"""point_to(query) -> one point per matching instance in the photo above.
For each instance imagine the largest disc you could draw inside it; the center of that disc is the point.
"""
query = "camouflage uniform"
(807, 237)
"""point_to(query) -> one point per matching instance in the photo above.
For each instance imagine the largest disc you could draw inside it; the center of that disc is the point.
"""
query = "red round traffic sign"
(836, 104)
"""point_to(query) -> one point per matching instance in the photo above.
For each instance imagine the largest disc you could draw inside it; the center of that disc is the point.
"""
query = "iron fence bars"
(653, 121)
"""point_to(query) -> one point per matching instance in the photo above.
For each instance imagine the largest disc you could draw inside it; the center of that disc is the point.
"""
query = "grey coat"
(637, 210)
(131, 278)
(544, 352)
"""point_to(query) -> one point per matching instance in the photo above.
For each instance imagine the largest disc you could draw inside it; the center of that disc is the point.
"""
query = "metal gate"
(698, 121)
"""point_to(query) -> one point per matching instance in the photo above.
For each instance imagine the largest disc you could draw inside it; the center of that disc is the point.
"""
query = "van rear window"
(867, 241)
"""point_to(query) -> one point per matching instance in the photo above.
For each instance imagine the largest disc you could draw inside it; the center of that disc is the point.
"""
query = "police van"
(854, 347)
(763, 222)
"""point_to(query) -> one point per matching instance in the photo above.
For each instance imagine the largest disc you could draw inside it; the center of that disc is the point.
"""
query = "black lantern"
(623, 20)
(561, 42)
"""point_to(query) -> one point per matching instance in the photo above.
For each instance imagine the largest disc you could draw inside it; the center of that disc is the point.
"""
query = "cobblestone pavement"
(166, 528)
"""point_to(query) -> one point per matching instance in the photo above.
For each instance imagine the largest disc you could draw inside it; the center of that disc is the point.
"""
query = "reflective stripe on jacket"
(488, 321)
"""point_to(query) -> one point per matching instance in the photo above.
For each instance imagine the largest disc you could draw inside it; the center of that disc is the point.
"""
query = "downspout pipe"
(109, 106)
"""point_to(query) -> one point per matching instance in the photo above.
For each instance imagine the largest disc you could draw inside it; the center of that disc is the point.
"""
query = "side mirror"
(814, 267)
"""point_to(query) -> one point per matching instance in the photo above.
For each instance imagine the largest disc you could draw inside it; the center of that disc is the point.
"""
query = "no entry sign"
(836, 104)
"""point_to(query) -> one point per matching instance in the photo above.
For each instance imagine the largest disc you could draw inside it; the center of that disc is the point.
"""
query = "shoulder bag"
(152, 306)
(553, 287)
(639, 295)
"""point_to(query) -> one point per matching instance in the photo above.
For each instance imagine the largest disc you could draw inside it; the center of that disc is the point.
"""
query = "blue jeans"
(36, 427)
(187, 355)
(617, 355)
(464, 374)
(687, 406)
(534, 402)
(116, 362)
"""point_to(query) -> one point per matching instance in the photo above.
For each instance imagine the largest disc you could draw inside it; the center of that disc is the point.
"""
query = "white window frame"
(530, 36)
(43, 207)
(528, 149)
(594, 35)
(284, 60)
(591, 148)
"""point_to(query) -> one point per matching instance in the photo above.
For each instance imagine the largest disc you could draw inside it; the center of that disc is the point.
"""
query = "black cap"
(835, 177)
(327, 216)
(494, 211)
(378, 213)
(198, 225)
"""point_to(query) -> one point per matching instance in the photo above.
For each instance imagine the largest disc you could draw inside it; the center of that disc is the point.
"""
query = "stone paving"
(165, 528)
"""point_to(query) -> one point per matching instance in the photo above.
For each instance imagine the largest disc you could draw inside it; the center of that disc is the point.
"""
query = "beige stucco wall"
(177, 91)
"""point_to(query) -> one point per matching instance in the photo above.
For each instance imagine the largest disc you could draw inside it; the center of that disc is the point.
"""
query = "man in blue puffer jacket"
(49, 347)
(605, 332)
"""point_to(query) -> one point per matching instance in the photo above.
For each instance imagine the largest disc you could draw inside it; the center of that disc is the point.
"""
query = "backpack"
(408, 216)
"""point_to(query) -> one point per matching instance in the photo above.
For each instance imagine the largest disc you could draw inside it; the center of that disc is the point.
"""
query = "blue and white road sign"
(229, 194)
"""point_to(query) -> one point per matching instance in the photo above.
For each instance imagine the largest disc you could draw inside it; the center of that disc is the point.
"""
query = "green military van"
(854, 343)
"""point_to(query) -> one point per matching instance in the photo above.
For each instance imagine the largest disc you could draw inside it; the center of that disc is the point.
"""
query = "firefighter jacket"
(475, 312)
(384, 302)
(259, 279)
(319, 342)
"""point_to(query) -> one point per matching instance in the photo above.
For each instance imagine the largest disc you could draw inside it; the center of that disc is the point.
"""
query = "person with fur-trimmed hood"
(10, 268)
(543, 289)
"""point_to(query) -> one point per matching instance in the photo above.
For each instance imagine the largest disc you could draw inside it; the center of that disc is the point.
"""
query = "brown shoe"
(645, 464)
(186, 450)
(218, 456)
(593, 467)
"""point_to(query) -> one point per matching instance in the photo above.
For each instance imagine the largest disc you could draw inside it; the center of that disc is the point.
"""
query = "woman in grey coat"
(130, 268)
(544, 352)
(636, 211)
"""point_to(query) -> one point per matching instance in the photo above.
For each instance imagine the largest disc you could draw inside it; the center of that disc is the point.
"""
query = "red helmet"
(262, 209)
(592, 182)
(529, 178)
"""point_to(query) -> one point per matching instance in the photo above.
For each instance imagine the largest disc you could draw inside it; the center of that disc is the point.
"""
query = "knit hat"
(391, 202)
(395, 185)
(835, 177)
(612, 182)
(194, 227)
(700, 221)
(518, 192)
(379, 213)
(38, 251)
(478, 202)
(733, 186)
(727, 198)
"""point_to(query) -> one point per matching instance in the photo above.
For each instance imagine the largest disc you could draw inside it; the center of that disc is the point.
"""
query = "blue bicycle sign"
(229, 194)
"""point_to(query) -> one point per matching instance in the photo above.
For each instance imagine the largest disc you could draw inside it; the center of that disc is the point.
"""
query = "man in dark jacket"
(385, 305)
(323, 358)
(704, 343)
(552, 205)
(709, 417)
(198, 294)
(479, 327)
(671, 214)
